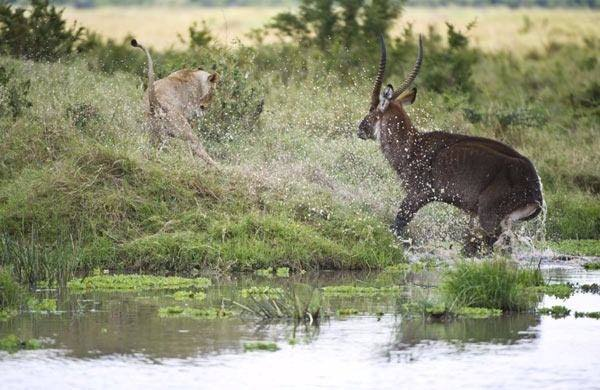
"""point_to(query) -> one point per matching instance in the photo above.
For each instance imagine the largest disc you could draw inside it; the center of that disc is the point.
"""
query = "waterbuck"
(488, 179)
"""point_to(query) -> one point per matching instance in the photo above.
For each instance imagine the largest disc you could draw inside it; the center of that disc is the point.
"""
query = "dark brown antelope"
(488, 179)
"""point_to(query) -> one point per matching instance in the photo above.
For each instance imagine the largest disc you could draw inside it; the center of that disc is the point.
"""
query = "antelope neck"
(397, 136)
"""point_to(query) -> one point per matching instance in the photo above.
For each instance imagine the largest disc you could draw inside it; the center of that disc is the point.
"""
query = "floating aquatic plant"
(261, 346)
(45, 305)
(477, 312)
(593, 288)
(556, 311)
(188, 295)
(348, 311)
(262, 292)
(359, 291)
(6, 314)
(136, 282)
(188, 312)
(12, 343)
(592, 266)
(559, 290)
(592, 314)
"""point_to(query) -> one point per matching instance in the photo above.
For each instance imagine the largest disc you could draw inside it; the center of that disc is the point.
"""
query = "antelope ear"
(213, 78)
(408, 98)
(385, 98)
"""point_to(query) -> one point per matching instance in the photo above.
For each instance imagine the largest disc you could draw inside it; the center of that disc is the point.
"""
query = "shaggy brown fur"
(487, 179)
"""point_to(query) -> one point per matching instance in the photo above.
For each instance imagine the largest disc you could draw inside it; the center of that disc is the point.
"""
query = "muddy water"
(118, 341)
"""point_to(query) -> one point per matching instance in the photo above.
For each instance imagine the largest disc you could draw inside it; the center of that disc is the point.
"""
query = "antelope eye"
(202, 107)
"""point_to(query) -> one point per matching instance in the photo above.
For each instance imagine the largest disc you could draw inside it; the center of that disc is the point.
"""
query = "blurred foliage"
(326, 22)
(432, 3)
(13, 93)
(38, 33)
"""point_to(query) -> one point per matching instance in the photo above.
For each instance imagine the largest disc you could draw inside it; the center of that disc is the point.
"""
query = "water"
(118, 341)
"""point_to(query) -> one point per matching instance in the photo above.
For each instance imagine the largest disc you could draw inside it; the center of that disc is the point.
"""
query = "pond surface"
(117, 340)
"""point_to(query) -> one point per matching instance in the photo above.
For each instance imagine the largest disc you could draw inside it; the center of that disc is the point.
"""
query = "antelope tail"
(152, 100)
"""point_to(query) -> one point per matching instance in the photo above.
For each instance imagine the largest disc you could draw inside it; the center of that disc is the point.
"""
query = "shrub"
(491, 284)
(14, 93)
(39, 34)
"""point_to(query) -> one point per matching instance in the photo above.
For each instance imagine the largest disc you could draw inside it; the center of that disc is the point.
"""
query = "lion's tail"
(152, 100)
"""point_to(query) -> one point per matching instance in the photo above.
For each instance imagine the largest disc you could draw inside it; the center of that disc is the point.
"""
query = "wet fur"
(486, 178)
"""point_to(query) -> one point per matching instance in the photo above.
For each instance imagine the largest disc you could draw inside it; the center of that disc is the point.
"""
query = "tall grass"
(11, 293)
(494, 284)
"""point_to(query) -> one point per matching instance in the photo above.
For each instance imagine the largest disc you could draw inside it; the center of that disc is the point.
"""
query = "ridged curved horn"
(380, 73)
(413, 73)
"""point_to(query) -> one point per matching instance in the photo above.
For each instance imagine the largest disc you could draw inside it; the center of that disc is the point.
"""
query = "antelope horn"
(413, 73)
(380, 73)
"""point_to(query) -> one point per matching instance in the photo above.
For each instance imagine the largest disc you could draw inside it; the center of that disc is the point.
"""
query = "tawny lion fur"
(175, 101)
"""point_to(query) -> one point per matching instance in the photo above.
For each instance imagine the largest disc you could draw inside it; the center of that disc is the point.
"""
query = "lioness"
(174, 101)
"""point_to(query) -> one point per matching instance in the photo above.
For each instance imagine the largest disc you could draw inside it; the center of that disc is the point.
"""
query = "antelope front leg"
(409, 207)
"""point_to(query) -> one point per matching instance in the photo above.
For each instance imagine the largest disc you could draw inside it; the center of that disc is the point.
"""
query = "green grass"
(492, 284)
(11, 293)
(577, 247)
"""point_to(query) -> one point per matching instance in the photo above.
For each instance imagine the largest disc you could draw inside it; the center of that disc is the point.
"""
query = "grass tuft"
(492, 284)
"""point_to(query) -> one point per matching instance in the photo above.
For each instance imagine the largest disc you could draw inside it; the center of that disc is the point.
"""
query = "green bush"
(38, 33)
(14, 93)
